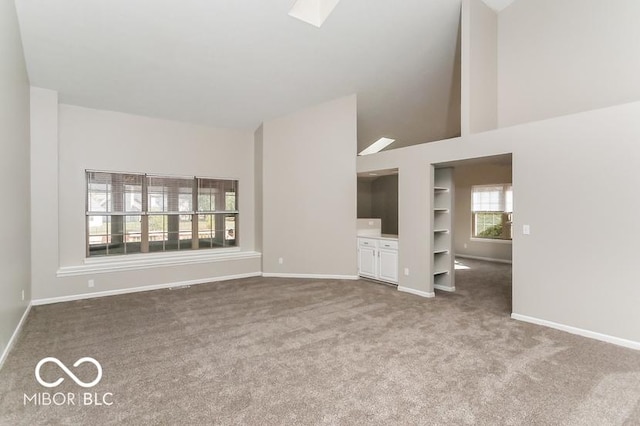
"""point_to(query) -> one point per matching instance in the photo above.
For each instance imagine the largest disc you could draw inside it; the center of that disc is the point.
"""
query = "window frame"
(193, 244)
(506, 216)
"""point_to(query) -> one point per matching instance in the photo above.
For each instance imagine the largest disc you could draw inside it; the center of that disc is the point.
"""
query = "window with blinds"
(492, 211)
(139, 213)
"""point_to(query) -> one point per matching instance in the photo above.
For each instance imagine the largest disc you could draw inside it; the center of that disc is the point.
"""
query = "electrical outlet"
(23, 295)
(91, 283)
(465, 245)
(280, 260)
(406, 271)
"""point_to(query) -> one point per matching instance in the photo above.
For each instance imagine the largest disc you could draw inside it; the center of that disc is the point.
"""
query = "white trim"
(136, 262)
(579, 331)
(444, 288)
(490, 240)
(416, 292)
(14, 336)
(487, 259)
(72, 297)
(311, 276)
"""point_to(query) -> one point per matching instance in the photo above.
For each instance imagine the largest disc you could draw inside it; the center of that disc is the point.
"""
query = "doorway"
(481, 228)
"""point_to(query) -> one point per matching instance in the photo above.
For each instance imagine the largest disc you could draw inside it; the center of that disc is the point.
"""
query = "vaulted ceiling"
(235, 63)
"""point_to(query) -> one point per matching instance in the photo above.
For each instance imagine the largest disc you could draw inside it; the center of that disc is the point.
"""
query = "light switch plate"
(526, 229)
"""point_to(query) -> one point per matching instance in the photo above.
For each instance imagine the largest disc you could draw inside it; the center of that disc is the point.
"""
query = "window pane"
(206, 230)
(487, 198)
(170, 232)
(508, 199)
(488, 225)
(217, 194)
(230, 230)
(169, 194)
(230, 201)
(114, 192)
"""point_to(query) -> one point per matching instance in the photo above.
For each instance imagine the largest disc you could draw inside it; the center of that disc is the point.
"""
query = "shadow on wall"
(378, 198)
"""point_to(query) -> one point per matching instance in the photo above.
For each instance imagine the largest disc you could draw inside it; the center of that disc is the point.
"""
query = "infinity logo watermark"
(68, 372)
(68, 398)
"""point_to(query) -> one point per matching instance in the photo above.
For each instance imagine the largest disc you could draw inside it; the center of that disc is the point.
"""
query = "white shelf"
(442, 262)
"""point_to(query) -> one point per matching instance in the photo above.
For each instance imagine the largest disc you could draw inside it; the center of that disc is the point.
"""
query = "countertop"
(390, 237)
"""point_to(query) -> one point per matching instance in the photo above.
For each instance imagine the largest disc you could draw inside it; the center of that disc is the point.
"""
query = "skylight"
(377, 146)
(313, 12)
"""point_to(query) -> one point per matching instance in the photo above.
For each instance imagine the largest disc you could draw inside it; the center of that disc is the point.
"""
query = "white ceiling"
(235, 63)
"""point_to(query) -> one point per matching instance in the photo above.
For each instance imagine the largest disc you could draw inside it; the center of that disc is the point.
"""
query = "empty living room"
(320, 212)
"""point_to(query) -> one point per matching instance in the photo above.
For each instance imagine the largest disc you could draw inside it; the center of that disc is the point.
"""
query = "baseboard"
(487, 259)
(579, 331)
(14, 336)
(310, 276)
(444, 288)
(416, 292)
(51, 300)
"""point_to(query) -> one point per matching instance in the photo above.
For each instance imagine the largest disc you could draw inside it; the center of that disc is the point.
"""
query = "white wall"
(580, 168)
(309, 184)
(14, 174)
(465, 177)
(104, 140)
(480, 67)
(564, 56)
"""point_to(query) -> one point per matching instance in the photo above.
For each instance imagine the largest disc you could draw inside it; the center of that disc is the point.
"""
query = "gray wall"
(365, 205)
(555, 57)
(560, 57)
(14, 174)
(479, 74)
(309, 184)
(258, 172)
(378, 198)
(465, 177)
(385, 202)
(583, 275)
(69, 139)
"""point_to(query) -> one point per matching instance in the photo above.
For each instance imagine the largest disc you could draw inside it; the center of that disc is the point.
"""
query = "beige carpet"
(289, 351)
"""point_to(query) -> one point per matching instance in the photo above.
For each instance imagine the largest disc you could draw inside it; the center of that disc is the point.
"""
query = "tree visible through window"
(492, 211)
(137, 213)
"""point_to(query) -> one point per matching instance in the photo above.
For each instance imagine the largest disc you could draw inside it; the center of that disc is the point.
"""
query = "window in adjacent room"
(138, 213)
(492, 211)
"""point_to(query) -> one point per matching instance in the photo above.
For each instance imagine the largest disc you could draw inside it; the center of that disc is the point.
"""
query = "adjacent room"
(319, 212)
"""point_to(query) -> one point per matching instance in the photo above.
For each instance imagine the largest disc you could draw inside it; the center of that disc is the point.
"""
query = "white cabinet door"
(388, 265)
(367, 261)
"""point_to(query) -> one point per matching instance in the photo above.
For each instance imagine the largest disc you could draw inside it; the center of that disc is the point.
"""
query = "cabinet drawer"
(389, 245)
(367, 242)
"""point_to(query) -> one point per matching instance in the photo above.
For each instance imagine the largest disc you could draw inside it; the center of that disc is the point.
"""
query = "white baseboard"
(48, 301)
(579, 331)
(444, 288)
(310, 276)
(416, 292)
(14, 336)
(487, 259)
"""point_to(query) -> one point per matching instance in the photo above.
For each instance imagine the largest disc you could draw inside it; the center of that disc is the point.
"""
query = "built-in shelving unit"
(442, 258)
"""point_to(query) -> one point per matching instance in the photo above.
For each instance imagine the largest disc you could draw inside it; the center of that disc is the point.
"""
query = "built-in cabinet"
(443, 261)
(378, 258)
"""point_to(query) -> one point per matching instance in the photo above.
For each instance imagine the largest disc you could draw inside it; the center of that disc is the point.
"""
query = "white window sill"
(153, 260)
(489, 240)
